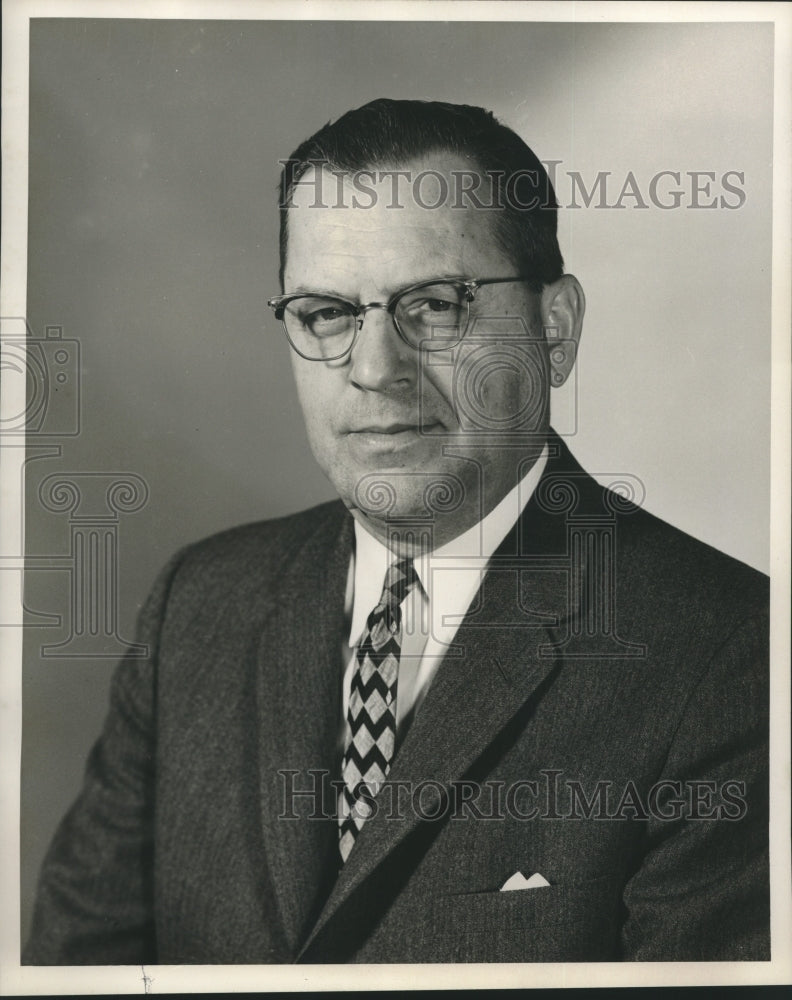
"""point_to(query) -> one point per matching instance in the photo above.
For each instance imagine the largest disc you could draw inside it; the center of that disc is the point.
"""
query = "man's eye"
(324, 319)
(431, 305)
(326, 315)
(439, 305)
(430, 314)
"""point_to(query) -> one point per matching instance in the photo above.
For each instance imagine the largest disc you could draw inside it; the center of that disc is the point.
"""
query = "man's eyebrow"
(335, 294)
(311, 290)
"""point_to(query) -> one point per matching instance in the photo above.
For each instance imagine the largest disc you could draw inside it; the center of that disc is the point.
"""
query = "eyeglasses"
(432, 315)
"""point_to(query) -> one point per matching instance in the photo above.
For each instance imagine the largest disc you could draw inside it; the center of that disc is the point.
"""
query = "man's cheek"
(436, 391)
(516, 398)
(316, 426)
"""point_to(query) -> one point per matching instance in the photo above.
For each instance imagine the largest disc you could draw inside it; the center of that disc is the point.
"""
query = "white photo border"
(20, 980)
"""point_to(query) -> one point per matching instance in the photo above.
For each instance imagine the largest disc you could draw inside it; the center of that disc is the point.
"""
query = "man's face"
(393, 415)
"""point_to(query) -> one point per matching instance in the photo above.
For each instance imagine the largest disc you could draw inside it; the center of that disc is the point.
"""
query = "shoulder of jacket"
(261, 545)
(674, 562)
(654, 560)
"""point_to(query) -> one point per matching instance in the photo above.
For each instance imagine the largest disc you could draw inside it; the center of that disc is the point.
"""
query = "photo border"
(28, 980)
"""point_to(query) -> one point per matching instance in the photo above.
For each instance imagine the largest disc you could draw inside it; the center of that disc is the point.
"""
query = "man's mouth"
(395, 428)
(389, 436)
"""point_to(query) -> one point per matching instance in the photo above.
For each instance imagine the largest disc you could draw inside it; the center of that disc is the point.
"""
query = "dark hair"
(388, 132)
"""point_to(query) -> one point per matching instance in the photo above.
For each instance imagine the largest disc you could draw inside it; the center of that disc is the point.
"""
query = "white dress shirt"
(450, 576)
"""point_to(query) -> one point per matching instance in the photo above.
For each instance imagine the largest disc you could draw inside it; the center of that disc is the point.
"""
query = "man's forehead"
(425, 183)
(392, 216)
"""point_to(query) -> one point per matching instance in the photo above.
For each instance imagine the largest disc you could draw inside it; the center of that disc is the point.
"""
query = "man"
(483, 709)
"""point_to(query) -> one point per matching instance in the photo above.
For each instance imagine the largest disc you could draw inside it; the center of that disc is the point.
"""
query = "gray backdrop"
(152, 245)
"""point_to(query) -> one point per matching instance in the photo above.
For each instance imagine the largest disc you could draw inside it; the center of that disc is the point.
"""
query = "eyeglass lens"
(433, 317)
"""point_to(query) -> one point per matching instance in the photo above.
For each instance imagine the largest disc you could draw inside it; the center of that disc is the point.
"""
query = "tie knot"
(399, 581)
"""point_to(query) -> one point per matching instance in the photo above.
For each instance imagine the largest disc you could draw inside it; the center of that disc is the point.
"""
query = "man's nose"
(380, 359)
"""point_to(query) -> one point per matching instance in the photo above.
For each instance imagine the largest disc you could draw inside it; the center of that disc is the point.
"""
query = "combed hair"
(389, 133)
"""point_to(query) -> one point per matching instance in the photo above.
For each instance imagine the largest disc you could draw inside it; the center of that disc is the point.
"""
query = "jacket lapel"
(299, 705)
(506, 650)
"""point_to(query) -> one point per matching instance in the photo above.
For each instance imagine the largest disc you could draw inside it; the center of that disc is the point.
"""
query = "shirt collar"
(372, 558)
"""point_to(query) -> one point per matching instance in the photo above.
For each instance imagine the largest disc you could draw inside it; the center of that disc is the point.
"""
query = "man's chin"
(391, 495)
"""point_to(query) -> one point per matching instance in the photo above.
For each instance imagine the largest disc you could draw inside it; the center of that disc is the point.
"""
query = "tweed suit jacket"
(601, 720)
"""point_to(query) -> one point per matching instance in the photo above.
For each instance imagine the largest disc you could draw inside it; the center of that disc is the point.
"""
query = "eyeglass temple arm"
(279, 302)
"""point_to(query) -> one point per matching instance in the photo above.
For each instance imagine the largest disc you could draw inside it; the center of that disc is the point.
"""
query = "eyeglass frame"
(278, 304)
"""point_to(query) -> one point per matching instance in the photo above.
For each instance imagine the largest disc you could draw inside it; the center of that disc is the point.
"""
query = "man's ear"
(563, 306)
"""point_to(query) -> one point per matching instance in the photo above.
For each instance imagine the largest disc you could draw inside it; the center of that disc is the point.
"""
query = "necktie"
(372, 705)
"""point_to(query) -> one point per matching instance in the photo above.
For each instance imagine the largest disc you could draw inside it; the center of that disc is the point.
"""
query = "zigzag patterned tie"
(372, 705)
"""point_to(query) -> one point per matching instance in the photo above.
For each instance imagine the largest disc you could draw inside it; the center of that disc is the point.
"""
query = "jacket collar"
(299, 704)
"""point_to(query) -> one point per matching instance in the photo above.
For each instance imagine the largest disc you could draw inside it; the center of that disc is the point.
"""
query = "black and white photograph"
(394, 566)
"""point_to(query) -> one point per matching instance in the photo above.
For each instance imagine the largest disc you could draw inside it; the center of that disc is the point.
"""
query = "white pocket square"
(519, 881)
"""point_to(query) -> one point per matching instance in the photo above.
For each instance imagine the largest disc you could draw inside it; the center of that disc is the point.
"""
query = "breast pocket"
(573, 922)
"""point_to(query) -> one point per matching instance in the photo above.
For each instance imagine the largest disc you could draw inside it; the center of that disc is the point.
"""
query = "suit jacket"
(602, 721)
